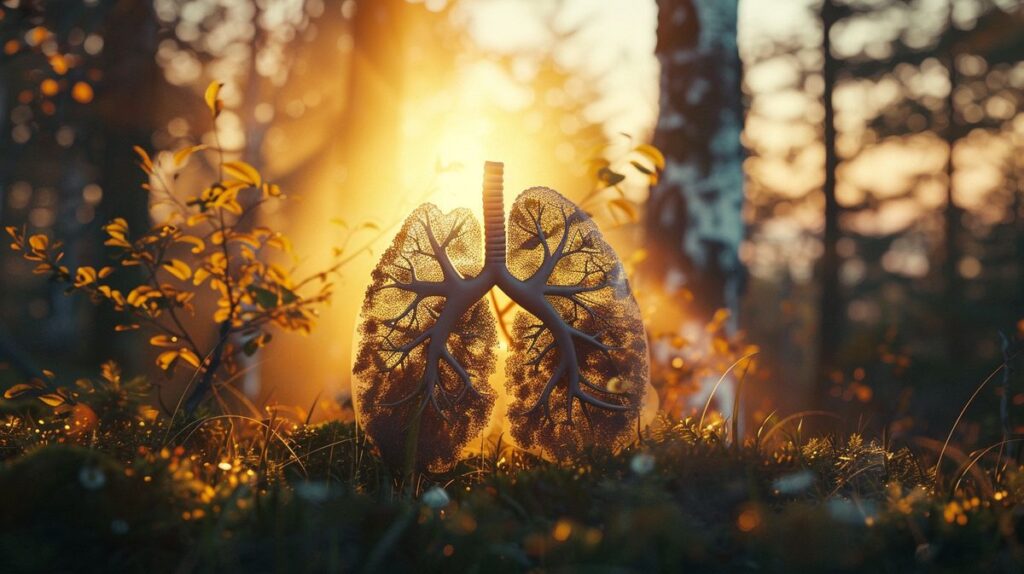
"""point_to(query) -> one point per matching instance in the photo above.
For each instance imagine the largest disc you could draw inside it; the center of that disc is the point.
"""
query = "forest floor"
(231, 493)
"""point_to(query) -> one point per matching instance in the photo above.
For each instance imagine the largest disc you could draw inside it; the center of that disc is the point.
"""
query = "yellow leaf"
(142, 294)
(271, 190)
(178, 268)
(232, 206)
(52, 399)
(200, 276)
(242, 172)
(163, 341)
(117, 231)
(189, 357)
(626, 207)
(105, 272)
(38, 242)
(198, 245)
(197, 218)
(112, 294)
(85, 276)
(212, 98)
(166, 360)
(247, 239)
(111, 371)
(222, 314)
(145, 162)
(120, 328)
(182, 155)
(281, 242)
(652, 153)
(20, 389)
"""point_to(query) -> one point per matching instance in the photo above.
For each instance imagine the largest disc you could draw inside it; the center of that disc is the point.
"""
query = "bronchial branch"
(428, 336)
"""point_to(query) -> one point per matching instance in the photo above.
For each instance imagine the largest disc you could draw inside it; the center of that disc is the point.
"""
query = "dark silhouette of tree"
(831, 302)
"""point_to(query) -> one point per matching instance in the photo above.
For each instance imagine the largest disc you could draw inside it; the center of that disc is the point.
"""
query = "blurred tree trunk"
(125, 104)
(694, 215)
(11, 352)
(830, 305)
(952, 299)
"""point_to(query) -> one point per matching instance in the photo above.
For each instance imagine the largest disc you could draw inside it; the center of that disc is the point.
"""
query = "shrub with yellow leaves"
(208, 239)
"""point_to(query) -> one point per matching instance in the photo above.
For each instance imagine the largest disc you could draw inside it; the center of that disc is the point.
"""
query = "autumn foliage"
(210, 239)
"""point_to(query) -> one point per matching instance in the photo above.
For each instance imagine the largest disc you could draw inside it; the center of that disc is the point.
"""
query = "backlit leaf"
(166, 360)
(212, 98)
(84, 276)
(163, 341)
(178, 268)
(20, 389)
(242, 172)
(144, 160)
(182, 155)
(652, 153)
(52, 399)
(189, 357)
(38, 242)
(198, 245)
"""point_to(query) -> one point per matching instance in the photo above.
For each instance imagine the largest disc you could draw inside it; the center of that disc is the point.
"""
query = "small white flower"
(435, 498)
(642, 463)
(92, 477)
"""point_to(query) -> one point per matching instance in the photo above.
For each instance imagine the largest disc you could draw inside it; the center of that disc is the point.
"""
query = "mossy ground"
(227, 494)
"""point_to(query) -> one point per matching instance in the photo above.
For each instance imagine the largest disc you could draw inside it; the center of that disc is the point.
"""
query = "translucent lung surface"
(577, 369)
(565, 396)
(424, 347)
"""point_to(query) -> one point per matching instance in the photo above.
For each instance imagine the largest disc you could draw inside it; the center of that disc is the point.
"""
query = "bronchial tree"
(577, 369)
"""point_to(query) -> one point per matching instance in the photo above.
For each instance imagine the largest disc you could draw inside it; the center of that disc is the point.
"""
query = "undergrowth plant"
(209, 239)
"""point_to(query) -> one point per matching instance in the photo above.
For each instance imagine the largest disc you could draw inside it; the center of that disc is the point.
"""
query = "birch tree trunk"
(694, 215)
